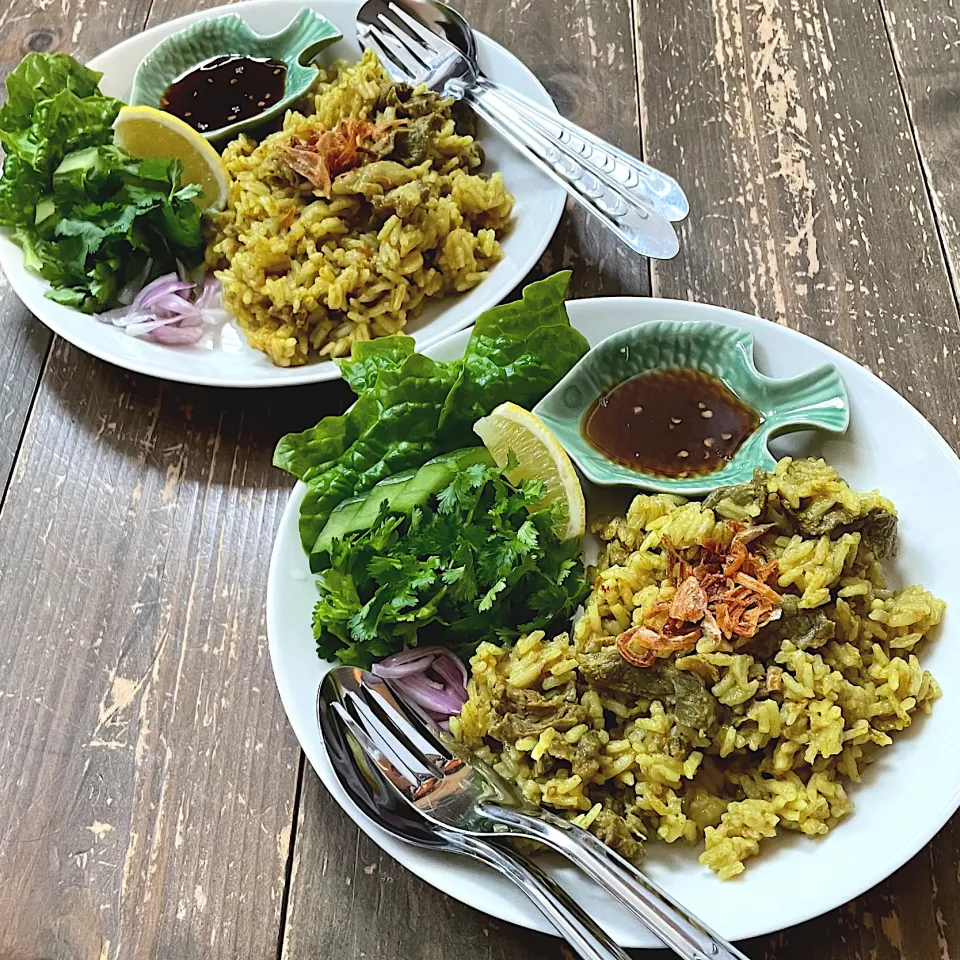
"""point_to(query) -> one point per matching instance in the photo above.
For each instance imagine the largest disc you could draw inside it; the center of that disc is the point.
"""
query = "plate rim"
(531, 919)
(318, 372)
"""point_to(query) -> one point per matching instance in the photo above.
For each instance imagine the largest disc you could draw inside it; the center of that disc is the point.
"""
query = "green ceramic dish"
(297, 45)
(814, 400)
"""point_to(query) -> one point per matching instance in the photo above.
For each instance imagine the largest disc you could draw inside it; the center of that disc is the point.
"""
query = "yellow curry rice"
(306, 275)
(744, 736)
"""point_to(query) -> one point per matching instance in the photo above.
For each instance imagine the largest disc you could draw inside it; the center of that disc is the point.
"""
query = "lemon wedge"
(539, 456)
(147, 132)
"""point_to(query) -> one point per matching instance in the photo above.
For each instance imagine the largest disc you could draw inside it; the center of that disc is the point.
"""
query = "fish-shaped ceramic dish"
(814, 400)
(297, 46)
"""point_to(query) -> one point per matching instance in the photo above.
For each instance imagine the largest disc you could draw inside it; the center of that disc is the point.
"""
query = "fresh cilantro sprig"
(473, 564)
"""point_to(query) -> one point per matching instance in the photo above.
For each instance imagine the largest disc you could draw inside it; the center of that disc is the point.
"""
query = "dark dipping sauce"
(225, 90)
(674, 423)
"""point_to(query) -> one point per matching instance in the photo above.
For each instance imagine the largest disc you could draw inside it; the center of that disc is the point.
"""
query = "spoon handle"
(687, 936)
(582, 933)
(634, 175)
(632, 218)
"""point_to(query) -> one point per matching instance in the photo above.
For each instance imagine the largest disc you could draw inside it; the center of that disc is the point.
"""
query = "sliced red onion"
(177, 335)
(211, 295)
(168, 283)
(122, 316)
(142, 327)
(420, 691)
(171, 310)
(128, 294)
(173, 304)
(440, 695)
(405, 663)
(451, 669)
(411, 653)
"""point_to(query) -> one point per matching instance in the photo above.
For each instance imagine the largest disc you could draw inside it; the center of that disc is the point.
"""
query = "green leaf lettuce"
(518, 351)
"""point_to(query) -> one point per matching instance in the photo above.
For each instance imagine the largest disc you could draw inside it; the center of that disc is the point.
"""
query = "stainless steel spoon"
(455, 790)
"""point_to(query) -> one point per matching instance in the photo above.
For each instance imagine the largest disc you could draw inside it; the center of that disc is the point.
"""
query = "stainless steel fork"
(452, 788)
(415, 55)
(377, 799)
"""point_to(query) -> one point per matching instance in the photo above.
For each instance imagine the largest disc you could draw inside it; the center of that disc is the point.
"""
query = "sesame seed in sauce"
(650, 422)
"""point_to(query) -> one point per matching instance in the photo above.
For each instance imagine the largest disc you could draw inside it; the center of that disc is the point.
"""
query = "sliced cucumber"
(403, 493)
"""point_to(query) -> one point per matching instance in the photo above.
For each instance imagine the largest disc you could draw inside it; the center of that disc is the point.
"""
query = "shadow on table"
(151, 419)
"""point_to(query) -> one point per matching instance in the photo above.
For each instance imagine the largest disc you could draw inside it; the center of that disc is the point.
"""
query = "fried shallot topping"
(324, 155)
(650, 643)
(726, 594)
(689, 602)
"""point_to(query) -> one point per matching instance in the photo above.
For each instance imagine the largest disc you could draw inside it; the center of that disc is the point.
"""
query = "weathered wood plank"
(123, 631)
(147, 773)
(786, 124)
(925, 39)
(24, 342)
(581, 51)
(350, 899)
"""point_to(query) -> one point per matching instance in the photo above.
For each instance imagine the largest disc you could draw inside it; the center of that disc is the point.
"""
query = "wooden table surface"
(153, 800)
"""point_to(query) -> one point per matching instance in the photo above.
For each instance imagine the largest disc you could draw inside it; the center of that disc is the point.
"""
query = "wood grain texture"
(581, 51)
(785, 122)
(147, 776)
(925, 39)
(24, 343)
(340, 876)
(147, 773)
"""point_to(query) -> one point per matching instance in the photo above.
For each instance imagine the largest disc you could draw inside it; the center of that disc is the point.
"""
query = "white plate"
(231, 362)
(906, 796)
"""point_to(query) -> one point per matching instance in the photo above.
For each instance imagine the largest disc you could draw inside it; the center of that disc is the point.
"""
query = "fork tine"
(401, 780)
(434, 41)
(422, 51)
(399, 753)
(369, 762)
(397, 71)
(398, 52)
(407, 720)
